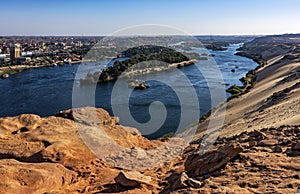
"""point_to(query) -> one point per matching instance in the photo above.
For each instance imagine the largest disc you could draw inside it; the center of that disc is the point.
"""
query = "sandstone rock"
(266, 149)
(138, 153)
(132, 179)
(31, 138)
(16, 148)
(257, 134)
(268, 142)
(18, 177)
(55, 139)
(132, 130)
(185, 181)
(294, 165)
(252, 143)
(209, 162)
(12, 125)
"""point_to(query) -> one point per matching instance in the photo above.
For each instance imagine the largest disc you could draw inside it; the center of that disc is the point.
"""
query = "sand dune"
(250, 111)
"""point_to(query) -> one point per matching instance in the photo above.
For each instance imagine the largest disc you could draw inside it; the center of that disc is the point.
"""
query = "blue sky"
(99, 17)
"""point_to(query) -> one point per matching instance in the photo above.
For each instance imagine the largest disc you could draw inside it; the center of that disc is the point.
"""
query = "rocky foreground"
(257, 150)
(47, 155)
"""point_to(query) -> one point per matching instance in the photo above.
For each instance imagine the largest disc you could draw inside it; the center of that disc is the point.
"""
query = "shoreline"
(271, 101)
(150, 70)
(14, 69)
(248, 82)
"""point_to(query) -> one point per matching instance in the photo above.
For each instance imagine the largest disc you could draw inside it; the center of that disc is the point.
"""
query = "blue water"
(46, 91)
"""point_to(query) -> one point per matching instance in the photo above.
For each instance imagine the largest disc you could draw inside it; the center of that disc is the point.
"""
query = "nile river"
(48, 90)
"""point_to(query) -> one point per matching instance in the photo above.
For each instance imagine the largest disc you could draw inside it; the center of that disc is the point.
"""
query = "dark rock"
(67, 114)
(23, 129)
(211, 184)
(296, 146)
(199, 165)
(277, 149)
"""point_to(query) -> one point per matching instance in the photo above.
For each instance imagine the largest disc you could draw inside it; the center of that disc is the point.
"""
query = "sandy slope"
(260, 108)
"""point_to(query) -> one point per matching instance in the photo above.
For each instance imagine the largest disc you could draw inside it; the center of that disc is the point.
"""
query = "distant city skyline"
(195, 17)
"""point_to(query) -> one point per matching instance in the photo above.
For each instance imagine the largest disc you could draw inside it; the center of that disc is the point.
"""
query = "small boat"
(54, 64)
(4, 76)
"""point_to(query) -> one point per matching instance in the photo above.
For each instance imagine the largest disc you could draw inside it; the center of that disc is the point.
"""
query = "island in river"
(143, 59)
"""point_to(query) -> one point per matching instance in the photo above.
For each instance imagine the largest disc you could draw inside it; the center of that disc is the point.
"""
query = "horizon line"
(253, 35)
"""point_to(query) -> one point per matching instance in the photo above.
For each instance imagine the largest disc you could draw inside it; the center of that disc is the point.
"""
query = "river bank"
(13, 69)
(10, 70)
(272, 101)
(131, 72)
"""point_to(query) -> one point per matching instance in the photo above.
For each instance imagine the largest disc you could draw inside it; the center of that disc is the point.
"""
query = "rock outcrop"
(48, 154)
(211, 161)
(20, 177)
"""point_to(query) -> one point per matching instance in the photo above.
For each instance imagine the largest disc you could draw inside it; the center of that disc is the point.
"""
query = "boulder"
(296, 146)
(277, 149)
(132, 130)
(141, 86)
(257, 135)
(138, 153)
(132, 179)
(268, 142)
(211, 161)
(185, 181)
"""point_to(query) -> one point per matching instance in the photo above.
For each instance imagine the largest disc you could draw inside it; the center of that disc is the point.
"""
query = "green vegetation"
(168, 135)
(250, 78)
(192, 55)
(248, 83)
(11, 71)
(235, 89)
(217, 46)
(204, 117)
(146, 50)
(159, 57)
